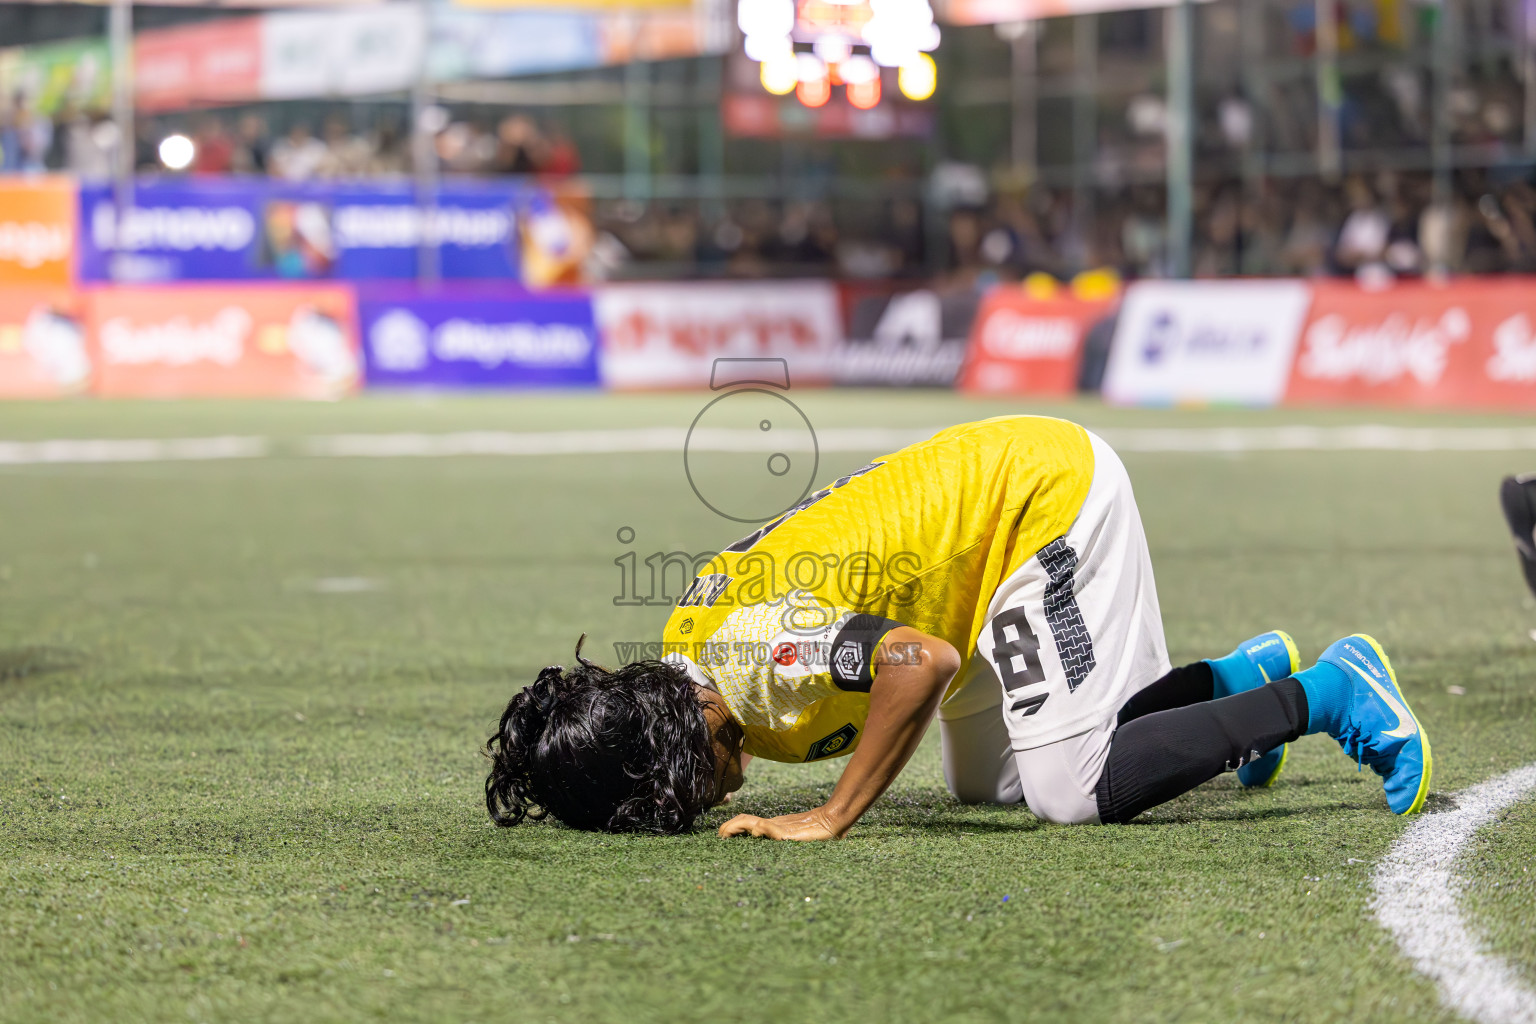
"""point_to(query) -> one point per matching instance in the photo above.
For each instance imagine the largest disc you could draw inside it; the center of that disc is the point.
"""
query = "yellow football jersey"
(785, 623)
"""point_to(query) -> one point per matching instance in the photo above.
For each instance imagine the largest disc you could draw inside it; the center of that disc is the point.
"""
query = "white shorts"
(1069, 638)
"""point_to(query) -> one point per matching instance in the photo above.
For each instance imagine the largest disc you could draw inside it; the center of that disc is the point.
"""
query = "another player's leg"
(1517, 497)
(1262, 659)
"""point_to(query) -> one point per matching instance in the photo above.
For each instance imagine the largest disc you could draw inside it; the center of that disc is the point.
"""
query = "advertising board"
(1205, 341)
(272, 341)
(668, 335)
(458, 339)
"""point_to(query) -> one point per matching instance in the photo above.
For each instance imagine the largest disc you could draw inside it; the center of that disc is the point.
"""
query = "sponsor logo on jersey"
(686, 626)
(848, 662)
(786, 654)
(828, 746)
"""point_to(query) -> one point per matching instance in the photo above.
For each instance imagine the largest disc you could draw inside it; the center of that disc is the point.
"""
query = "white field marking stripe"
(1417, 896)
(866, 439)
(836, 439)
(1367, 437)
(176, 449)
(606, 442)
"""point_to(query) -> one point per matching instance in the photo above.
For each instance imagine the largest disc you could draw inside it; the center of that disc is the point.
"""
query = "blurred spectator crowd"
(84, 143)
(1482, 219)
(1380, 226)
(1383, 225)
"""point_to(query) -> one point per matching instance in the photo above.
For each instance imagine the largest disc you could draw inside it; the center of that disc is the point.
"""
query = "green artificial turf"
(241, 701)
(1499, 875)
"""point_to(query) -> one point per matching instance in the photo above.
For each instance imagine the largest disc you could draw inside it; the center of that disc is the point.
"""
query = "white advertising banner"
(341, 53)
(1206, 341)
(991, 12)
(669, 335)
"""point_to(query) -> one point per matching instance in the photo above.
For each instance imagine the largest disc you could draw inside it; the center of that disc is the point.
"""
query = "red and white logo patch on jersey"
(785, 654)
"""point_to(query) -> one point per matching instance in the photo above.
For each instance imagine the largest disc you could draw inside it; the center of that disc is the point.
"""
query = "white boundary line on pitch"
(176, 449)
(1417, 900)
(875, 439)
(635, 440)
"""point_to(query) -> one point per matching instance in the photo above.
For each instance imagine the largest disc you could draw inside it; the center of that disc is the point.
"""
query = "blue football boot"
(1265, 658)
(1369, 716)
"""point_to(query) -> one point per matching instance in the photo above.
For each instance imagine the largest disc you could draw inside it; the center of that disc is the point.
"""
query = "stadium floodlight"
(900, 29)
(857, 70)
(780, 75)
(866, 94)
(766, 18)
(834, 49)
(814, 93)
(810, 68)
(177, 151)
(918, 78)
(767, 48)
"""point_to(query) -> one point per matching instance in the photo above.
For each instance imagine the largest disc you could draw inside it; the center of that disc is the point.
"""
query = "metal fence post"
(120, 43)
(424, 160)
(1180, 133)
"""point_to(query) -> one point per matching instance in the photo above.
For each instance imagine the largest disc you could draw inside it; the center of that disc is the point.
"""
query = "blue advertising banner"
(461, 338)
(231, 230)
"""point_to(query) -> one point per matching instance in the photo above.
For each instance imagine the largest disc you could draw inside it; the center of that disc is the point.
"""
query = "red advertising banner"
(1023, 345)
(274, 341)
(668, 335)
(214, 62)
(1468, 343)
(42, 344)
(38, 222)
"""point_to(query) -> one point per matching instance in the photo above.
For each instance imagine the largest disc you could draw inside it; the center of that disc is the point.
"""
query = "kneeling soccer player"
(839, 628)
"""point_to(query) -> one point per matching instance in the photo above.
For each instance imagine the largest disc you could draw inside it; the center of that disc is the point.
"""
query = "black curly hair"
(605, 751)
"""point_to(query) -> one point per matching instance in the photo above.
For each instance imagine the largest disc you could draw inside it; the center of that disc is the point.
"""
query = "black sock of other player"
(1183, 686)
(1158, 756)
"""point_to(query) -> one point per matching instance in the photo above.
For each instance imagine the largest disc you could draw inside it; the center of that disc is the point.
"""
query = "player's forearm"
(903, 699)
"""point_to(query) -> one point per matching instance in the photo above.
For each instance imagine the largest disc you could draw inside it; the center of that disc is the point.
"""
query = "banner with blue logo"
(231, 230)
(471, 338)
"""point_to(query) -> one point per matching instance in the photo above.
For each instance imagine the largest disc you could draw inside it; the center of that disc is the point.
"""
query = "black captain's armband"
(854, 651)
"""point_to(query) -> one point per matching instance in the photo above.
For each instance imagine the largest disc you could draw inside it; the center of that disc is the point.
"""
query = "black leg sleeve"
(1156, 757)
(1186, 685)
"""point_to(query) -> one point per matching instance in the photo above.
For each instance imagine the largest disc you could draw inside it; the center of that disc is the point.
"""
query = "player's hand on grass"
(803, 828)
(903, 698)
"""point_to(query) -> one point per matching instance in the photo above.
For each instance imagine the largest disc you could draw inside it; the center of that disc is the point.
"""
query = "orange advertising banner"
(1024, 345)
(38, 220)
(269, 341)
(42, 344)
(1469, 343)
